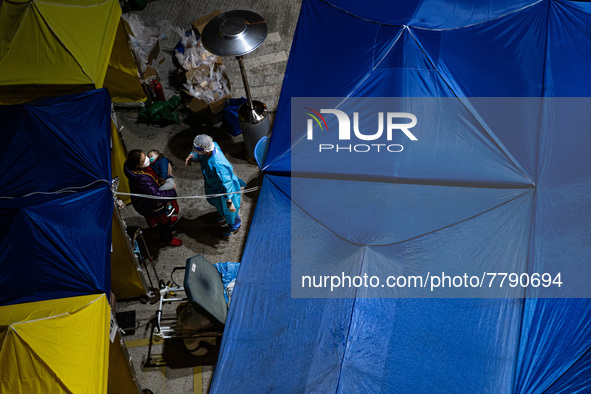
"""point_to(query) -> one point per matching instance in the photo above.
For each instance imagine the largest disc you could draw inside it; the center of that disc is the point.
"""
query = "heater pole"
(245, 81)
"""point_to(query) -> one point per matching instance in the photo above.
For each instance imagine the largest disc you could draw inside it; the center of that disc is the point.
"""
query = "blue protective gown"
(219, 178)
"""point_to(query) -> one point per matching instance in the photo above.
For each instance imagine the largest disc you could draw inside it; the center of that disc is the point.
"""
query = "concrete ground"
(166, 366)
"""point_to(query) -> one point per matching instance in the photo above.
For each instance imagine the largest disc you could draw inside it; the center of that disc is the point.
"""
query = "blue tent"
(498, 180)
(56, 204)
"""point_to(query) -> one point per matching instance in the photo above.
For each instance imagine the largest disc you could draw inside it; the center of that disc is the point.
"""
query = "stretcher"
(197, 310)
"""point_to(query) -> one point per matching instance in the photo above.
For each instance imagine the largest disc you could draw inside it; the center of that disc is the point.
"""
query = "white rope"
(249, 190)
(70, 189)
(73, 189)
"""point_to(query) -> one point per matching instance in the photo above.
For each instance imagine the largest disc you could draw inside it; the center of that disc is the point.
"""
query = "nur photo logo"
(389, 124)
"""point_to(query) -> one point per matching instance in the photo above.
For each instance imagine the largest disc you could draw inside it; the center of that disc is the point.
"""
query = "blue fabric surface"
(55, 143)
(56, 245)
(518, 200)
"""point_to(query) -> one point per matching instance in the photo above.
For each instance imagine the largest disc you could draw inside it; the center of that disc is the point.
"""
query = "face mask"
(146, 162)
(152, 159)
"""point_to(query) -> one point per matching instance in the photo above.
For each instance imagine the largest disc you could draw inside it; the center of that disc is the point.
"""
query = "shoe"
(220, 219)
(170, 211)
(173, 220)
(175, 242)
(228, 233)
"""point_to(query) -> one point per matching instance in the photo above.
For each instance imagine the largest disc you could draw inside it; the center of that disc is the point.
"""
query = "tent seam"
(406, 240)
(525, 300)
(349, 326)
(62, 44)
(375, 40)
(428, 28)
(20, 26)
(373, 68)
(308, 214)
(496, 141)
(57, 378)
(410, 181)
(566, 370)
(485, 21)
(569, 5)
(533, 222)
(92, 280)
(61, 314)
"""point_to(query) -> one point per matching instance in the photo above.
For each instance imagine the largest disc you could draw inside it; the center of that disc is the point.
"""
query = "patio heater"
(236, 33)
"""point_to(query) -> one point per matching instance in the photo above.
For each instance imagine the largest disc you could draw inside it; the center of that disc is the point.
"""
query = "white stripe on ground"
(273, 37)
(266, 59)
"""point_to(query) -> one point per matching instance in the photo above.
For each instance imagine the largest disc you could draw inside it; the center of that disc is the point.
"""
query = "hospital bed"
(195, 311)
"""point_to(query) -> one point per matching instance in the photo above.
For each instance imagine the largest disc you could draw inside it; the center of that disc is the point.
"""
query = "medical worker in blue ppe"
(219, 178)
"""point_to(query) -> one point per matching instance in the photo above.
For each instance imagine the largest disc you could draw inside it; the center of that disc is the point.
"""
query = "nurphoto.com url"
(434, 282)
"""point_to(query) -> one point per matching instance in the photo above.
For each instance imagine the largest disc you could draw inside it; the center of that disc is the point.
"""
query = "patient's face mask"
(146, 162)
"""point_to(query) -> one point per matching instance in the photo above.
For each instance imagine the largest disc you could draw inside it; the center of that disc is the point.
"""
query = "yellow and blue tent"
(62, 346)
(55, 346)
(55, 47)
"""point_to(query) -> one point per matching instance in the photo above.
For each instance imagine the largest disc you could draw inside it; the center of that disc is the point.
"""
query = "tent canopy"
(43, 52)
(56, 210)
(55, 346)
(64, 53)
(501, 178)
(56, 206)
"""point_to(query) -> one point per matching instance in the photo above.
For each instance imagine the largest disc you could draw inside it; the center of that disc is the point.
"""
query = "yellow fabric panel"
(118, 157)
(122, 77)
(21, 371)
(10, 20)
(34, 55)
(87, 31)
(121, 377)
(126, 281)
(66, 338)
(78, 3)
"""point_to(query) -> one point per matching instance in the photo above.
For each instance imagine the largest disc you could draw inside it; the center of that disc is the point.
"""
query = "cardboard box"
(197, 106)
(150, 74)
(213, 108)
(199, 24)
(154, 52)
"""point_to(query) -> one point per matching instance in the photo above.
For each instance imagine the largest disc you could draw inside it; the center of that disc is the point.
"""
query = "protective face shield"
(203, 143)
